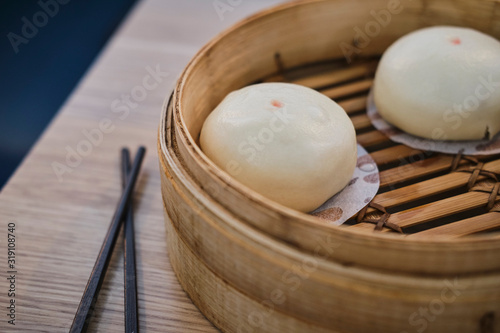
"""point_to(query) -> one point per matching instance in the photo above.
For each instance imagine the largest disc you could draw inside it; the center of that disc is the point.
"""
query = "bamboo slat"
(337, 76)
(470, 226)
(434, 210)
(354, 104)
(422, 167)
(394, 154)
(348, 89)
(361, 122)
(427, 188)
(371, 138)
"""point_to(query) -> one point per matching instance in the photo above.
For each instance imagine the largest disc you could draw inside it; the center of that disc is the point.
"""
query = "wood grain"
(61, 225)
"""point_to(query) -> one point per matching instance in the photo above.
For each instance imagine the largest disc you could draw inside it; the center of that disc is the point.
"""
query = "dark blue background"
(35, 81)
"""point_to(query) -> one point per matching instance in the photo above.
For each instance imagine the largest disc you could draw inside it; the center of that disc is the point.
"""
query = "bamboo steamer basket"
(251, 265)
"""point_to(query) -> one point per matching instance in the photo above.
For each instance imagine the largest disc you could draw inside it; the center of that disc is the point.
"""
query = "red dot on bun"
(276, 103)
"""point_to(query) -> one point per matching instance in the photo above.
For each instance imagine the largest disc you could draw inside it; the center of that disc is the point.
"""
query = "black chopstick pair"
(124, 212)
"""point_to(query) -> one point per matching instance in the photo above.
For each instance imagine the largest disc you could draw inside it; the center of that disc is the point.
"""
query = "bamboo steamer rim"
(389, 239)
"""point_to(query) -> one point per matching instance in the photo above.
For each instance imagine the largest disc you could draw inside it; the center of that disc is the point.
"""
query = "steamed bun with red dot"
(287, 142)
(441, 83)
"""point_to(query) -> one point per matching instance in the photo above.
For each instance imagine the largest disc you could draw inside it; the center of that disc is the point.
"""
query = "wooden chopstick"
(87, 303)
(131, 317)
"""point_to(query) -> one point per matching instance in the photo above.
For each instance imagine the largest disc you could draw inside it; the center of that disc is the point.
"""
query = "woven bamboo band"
(495, 209)
(476, 171)
(493, 190)
(380, 222)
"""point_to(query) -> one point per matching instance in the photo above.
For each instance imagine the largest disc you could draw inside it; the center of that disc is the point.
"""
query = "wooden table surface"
(61, 199)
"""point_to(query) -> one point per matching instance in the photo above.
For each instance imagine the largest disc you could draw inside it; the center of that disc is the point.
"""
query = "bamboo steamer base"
(251, 265)
(226, 307)
(392, 299)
